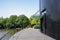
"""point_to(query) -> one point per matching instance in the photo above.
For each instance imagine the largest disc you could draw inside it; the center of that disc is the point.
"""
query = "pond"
(10, 33)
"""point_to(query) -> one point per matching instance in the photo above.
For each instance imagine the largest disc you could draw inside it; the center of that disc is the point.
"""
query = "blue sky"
(18, 7)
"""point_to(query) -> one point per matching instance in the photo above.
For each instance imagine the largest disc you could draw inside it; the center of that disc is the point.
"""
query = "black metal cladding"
(53, 8)
(52, 17)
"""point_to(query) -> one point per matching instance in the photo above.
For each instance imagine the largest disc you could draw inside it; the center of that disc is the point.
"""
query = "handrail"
(43, 10)
(40, 11)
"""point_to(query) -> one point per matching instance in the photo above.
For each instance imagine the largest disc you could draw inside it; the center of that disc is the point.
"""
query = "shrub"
(36, 26)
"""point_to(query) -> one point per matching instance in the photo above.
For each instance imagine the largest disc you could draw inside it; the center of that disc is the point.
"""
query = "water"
(7, 37)
(10, 33)
(2, 33)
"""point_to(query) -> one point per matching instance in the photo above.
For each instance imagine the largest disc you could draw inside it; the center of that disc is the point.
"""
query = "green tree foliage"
(35, 21)
(14, 21)
(1, 22)
(22, 21)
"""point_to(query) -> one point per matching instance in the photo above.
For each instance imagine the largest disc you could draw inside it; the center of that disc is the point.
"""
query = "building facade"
(50, 21)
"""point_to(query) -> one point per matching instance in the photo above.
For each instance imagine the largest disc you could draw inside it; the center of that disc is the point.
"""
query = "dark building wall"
(50, 30)
(52, 18)
(53, 8)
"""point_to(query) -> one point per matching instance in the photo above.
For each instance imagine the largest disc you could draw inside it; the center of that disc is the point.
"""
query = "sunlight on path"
(30, 34)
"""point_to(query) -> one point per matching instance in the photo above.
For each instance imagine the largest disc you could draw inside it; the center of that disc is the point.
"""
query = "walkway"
(30, 34)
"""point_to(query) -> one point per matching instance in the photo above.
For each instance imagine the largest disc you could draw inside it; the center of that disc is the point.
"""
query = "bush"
(36, 26)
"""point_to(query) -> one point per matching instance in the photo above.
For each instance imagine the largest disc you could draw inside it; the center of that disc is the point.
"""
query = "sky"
(18, 7)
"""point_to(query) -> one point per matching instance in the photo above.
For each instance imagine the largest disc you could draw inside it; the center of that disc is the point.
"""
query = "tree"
(32, 22)
(9, 25)
(23, 21)
(35, 20)
(2, 22)
(12, 21)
